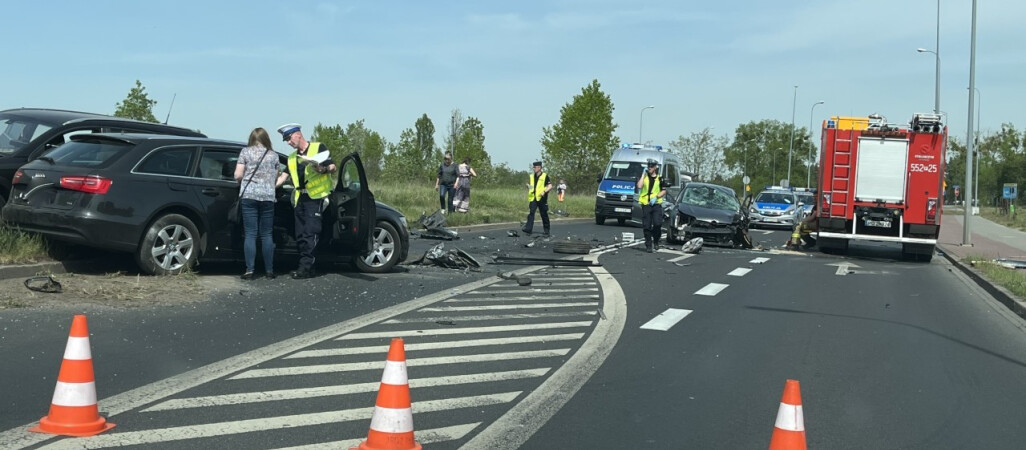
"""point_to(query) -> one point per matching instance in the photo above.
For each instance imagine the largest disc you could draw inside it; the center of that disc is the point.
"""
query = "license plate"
(878, 223)
(623, 210)
(771, 219)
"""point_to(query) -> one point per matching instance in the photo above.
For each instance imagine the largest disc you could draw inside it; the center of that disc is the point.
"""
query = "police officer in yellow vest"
(313, 181)
(538, 187)
(650, 195)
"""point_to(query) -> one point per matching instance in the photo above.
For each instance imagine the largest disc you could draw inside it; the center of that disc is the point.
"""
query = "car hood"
(709, 214)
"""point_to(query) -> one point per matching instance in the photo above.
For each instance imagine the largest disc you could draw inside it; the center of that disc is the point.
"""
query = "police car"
(775, 206)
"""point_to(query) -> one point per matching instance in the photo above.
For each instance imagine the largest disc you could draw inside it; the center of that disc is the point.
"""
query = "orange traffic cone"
(789, 431)
(392, 424)
(73, 411)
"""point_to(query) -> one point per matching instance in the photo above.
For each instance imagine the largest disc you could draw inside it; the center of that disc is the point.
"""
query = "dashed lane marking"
(267, 423)
(739, 272)
(681, 258)
(711, 289)
(380, 365)
(383, 349)
(759, 260)
(335, 390)
(666, 319)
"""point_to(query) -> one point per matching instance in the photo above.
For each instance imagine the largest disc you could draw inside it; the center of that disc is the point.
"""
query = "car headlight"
(753, 210)
(600, 193)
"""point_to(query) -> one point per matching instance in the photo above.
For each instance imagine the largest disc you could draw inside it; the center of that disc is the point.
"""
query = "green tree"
(701, 154)
(137, 105)
(425, 139)
(330, 136)
(759, 150)
(578, 147)
(404, 161)
(470, 143)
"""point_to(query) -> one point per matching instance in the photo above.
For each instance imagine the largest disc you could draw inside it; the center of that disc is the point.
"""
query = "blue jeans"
(258, 219)
(446, 190)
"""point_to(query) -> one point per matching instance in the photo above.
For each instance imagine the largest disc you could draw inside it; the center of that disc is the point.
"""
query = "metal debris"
(452, 259)
(693, 246)
(512, 233)
(44, 284)
(1011, 263)
(434, 227)
(522, 281)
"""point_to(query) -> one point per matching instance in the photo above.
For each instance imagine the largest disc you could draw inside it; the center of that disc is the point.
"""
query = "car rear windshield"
(624, 170)
(773, 197)
(17, 132)
(91, 153)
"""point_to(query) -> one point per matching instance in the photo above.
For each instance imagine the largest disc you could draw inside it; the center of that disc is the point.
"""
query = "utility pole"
(969, 147)
(790, 148)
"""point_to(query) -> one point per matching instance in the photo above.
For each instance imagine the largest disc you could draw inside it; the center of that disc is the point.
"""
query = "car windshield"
(775, 197)
(708, 197)
(807, 198)
(17, 132)
(624, 170)
(92, 153)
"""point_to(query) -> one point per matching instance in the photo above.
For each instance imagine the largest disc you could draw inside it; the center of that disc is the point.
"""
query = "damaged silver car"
(709, 211)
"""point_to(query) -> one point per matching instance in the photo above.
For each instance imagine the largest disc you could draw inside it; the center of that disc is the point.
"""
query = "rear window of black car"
(97, 154)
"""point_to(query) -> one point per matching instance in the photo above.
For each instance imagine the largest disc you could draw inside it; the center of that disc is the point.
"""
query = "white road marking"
(514, 306)
(759, 260)
(766, 231)
(444, 331)
(842, 269)
(536, 284)
(711, 289)
(327, 391)
(672, 252)
(528, 415)
(524, 290)
(417, 346)
(380, 365)
(464, 298)
(421, 319)
(431, 436)
(266, 424)
(666, 319)
(739, 272)
(681, 258)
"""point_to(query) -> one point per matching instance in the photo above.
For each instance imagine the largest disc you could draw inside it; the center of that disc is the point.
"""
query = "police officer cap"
(537, 164)
(652, 162)
(287, 130)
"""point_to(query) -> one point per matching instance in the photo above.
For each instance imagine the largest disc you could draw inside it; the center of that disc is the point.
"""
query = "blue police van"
(616, 197)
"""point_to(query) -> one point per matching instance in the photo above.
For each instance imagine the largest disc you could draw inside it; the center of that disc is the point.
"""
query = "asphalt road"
(889, 354)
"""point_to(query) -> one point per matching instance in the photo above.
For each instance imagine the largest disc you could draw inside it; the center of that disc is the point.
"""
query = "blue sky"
(513, 65)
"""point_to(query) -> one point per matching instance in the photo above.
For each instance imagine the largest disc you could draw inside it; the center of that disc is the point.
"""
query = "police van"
(617, 192)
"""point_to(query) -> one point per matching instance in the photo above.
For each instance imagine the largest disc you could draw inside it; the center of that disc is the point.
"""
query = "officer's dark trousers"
(543, 209)
(652, 223)
(308, 230)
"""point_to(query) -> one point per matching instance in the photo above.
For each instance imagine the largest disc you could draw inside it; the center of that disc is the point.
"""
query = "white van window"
(623, 170)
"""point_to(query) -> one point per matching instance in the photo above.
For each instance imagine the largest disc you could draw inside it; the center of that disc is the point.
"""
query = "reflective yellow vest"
(318, 185)
(539, 187)
(645, 192)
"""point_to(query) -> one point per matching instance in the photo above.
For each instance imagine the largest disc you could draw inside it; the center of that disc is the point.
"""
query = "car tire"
(599, 220)
(384, 254)
(170, 246)
(620, 221)
(572, 247)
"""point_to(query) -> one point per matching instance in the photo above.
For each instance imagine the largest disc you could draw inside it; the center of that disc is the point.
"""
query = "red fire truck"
(882, 182)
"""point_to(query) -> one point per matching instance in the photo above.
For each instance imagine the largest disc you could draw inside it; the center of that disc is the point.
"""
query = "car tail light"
(89, 184)
(17, 177)
(931, 210)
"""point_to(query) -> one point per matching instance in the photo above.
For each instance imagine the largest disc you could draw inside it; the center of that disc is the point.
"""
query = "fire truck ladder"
(841, 173)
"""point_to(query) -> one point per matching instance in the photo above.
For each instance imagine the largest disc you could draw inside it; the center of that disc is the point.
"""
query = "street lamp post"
(641, 122)
(808, 174)
(976, 189)
(967, 217)
(936, 88)
(790, 148)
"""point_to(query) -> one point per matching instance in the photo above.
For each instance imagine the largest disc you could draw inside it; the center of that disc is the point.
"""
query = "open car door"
(352, 211)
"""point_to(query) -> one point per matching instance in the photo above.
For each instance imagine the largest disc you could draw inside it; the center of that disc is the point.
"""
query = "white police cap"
(287, 130)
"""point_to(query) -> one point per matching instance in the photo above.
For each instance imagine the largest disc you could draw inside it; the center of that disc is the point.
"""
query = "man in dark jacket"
(445, 183)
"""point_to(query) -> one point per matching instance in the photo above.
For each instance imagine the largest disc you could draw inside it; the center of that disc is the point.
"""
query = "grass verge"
(1012, 279)
(19, 247)
(997, 215)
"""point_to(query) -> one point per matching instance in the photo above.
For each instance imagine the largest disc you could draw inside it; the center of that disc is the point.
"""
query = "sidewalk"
(988, 241)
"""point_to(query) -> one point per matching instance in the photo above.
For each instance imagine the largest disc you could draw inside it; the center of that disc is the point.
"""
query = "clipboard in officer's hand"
(319, 158)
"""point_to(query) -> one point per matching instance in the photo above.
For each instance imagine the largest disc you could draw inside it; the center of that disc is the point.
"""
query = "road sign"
(746, 179)
(1010, 191)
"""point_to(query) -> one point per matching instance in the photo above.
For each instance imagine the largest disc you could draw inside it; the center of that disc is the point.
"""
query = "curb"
(31, 270)
(1007, 298)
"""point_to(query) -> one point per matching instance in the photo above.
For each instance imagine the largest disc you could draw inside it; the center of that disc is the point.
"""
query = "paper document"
(315, 159)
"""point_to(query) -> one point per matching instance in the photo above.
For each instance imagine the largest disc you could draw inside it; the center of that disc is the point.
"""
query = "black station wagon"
(166, 199)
